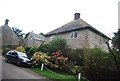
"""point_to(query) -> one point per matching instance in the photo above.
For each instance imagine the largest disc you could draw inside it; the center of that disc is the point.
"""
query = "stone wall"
(85, 38)
(9, 37)
(74, 43)
(97, 39)
(30, 41)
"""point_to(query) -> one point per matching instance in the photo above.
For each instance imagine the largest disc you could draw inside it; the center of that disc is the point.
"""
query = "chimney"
(6, 22)
(76, 16)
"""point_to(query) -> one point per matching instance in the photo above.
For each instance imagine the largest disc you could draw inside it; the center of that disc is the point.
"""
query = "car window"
(20, 54)
(12, 53)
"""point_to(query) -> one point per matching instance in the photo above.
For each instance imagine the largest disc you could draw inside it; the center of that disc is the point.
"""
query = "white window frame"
(74, 34)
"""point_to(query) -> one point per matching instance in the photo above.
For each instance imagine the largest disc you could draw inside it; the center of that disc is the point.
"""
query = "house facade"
(33, 40)
(79, 34)
(8, 36)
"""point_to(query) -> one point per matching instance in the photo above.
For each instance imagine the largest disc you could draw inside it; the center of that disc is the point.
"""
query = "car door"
(14, 57)
(9, 56)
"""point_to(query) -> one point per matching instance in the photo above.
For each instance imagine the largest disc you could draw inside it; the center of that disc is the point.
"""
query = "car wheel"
(6, 59)
(18, 63)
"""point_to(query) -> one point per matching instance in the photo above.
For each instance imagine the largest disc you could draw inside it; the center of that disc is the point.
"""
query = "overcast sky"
(47, 15)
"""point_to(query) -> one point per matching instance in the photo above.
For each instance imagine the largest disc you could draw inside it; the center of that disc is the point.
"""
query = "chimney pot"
(6, 22)
(76, 16)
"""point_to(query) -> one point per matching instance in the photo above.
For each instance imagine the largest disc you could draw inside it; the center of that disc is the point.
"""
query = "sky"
(46, 15)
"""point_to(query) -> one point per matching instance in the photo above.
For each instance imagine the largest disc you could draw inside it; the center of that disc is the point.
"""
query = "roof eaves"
(64, 31)
(95, 30)
(80, 28)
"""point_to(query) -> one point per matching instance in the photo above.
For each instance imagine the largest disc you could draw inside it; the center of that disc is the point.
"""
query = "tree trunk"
(113, 54)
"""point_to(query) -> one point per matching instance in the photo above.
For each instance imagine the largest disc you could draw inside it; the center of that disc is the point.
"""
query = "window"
(12, 53)
(74, 34)
(52, 37)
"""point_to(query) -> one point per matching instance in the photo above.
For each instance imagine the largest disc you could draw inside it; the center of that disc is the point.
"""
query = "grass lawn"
(56, 76)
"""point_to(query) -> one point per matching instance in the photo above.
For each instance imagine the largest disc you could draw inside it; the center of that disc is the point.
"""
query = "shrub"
(44, 48)
(21, 49)
(32, 50)
(27, 49)
(53, 46)
(59, 61)
(40, 58)
(76, 59)
(74, 55)
(98, 64)
(57, 44)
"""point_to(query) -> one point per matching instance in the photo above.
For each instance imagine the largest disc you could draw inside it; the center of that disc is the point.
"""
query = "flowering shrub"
(39, 58)
(59, 61)
(20, 49)
(55, 61)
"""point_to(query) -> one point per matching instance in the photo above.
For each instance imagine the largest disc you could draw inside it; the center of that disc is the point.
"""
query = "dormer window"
(74, 34)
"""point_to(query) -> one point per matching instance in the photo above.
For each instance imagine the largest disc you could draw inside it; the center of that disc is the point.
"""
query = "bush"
(57, 44)
(98, 65)
(95, 64)
(53, 46)
(20, 49)
(32, 50)
(27, 49)
(44, 48)
(74, 55)
(7, 48)
(58, 61)
(40, 58)
(76, 59)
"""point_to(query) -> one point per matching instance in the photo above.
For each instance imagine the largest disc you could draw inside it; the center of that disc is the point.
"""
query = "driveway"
(15, 73)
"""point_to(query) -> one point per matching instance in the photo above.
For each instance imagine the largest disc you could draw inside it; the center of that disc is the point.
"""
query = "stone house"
(79, 34)
(9, 38)
(33, 40)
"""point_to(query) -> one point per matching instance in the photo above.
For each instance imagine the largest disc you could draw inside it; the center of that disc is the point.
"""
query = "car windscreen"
(20, 54)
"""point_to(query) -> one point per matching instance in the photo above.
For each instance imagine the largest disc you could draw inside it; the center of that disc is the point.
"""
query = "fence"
(79, 75)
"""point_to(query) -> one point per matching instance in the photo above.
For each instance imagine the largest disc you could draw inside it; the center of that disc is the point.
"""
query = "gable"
(8, 36)
(34, 36)
(77, 24)
(73, 25)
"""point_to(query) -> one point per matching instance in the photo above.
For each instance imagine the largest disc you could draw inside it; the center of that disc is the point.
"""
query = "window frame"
(74, 34)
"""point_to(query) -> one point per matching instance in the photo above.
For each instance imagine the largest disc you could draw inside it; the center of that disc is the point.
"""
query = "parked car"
(19, 58)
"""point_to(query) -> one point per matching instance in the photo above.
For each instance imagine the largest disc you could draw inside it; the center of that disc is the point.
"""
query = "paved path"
(11, 71)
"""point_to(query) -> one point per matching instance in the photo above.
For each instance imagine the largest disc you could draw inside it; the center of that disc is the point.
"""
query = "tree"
(41, 34)
(27, 34)
(116, 40)
(18, 31)
(115, 51)
(57, 43)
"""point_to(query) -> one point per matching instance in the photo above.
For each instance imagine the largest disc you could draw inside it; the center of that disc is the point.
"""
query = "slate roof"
(78, 24)
(8, 36)
(36, 36)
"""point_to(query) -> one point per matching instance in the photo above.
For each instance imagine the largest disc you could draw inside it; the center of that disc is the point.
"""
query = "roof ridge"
(74, 25)
(68, 26)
